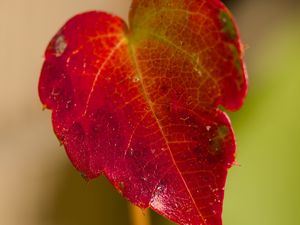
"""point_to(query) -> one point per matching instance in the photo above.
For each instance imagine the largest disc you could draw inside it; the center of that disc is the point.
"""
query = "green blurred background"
(39, 186)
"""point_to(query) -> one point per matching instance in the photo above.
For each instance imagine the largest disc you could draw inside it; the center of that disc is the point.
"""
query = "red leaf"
(140, 104)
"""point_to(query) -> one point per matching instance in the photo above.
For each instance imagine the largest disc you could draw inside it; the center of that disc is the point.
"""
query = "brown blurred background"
(38, 185)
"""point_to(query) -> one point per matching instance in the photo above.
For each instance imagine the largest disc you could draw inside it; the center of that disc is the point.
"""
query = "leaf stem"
(139, 216)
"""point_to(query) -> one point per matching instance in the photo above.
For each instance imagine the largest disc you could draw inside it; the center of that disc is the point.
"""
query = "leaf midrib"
(132, 53)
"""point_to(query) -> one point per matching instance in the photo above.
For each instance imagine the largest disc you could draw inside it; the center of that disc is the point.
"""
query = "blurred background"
(39, 186)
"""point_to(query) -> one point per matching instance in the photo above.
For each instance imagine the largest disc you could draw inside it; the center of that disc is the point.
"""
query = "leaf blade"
(141, 107)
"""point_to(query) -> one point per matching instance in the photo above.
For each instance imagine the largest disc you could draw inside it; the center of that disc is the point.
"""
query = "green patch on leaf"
(216, 143)
(228, 26)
